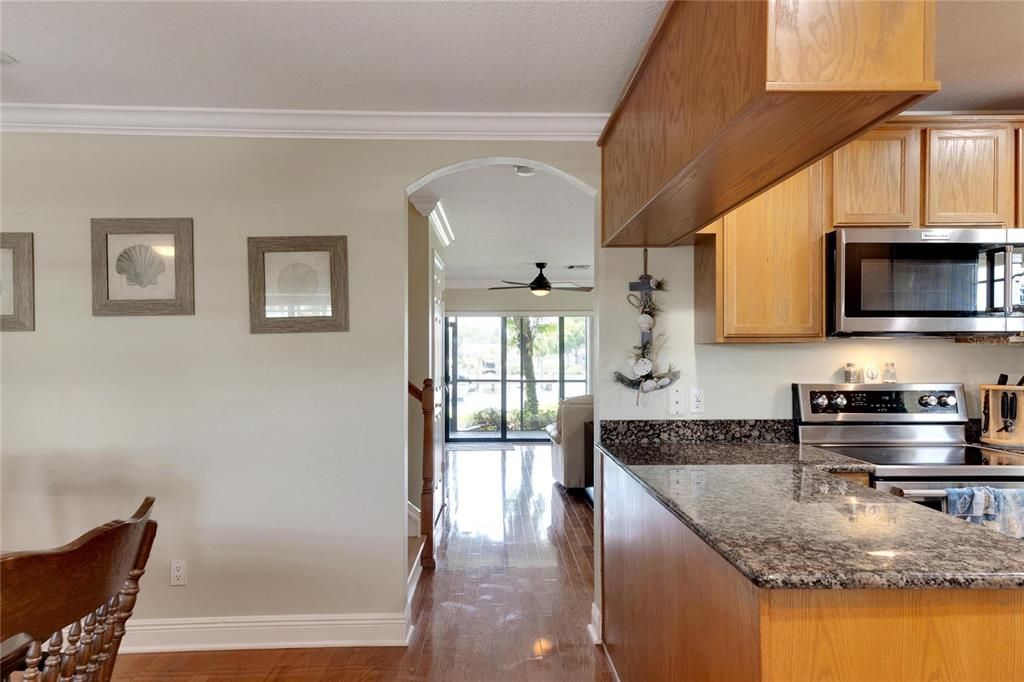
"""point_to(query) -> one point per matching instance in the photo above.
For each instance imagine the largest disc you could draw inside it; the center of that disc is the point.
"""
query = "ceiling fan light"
(540, 292)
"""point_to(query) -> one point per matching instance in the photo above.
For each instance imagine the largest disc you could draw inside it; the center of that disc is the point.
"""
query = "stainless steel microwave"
(925, 281)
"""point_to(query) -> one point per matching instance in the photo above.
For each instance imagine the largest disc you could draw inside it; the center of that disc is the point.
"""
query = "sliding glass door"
(508, 374)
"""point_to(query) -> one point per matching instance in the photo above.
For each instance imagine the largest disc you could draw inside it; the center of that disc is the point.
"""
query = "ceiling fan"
(540, 286)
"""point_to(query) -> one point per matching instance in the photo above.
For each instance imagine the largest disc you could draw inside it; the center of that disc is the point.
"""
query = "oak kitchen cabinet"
(969, 175)
(877, 178)
(730, 97)
(758, 273)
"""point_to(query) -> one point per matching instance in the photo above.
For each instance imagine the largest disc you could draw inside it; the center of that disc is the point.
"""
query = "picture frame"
(298, 284)
(142, 266)
(17, 282)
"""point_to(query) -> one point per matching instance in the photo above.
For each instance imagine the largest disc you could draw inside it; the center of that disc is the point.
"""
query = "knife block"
(992, 396)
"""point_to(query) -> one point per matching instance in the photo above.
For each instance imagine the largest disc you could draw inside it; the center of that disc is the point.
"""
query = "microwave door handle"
(1008, 280)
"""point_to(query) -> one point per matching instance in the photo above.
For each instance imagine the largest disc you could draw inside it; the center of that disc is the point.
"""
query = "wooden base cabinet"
(676, 610)
(758, 273)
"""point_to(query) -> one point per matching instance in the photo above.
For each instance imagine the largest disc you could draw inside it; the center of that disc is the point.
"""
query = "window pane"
(478, 407)
(479, 347)
(542, 339)
(514, 406)
(537, 410)
(576, 338)
(575, 388)
(513, 359)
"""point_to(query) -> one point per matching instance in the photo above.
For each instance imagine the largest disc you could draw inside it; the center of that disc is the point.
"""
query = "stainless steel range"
(914, 434)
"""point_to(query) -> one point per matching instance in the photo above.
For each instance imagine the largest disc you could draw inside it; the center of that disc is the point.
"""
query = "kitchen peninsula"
(767, 562)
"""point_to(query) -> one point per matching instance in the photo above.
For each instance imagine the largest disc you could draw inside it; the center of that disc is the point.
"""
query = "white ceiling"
(512, 56)
(439, 56)
(504, 223)
(979, 56)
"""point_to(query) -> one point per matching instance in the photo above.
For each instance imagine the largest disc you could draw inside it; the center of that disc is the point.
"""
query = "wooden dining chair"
(74, 600)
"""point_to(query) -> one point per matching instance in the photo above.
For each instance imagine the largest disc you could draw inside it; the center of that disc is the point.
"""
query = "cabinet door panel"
(969, 178)
(773, 253)
(877, 179)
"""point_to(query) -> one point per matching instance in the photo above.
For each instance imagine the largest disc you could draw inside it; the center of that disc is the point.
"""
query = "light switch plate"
(675, 399)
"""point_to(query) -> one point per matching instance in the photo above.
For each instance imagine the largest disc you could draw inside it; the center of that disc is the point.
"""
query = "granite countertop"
(776, 513)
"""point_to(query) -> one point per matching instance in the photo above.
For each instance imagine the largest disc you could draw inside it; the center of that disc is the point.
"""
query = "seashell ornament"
(648, 386)
(642, 367)
(646, 322)
(664, 381)
(141, 265)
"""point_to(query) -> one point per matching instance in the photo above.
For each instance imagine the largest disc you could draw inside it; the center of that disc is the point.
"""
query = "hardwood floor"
(509, 600)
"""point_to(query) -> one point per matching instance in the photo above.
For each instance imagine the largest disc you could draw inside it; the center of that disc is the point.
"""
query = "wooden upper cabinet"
(774, 250)
(876, 179)
(759, 276)
(969, 176)
(730, 97)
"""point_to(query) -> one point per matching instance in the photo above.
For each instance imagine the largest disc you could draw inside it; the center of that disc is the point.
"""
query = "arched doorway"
(436, 248)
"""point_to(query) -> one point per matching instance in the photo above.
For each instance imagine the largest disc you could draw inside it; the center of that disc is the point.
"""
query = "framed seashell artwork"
(142, 266)
(298, 284)
(17, 283)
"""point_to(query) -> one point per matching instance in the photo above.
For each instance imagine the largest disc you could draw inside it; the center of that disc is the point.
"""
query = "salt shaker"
(851, 373)
(889, 373)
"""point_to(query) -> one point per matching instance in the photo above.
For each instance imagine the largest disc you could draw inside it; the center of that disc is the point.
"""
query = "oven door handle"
(918, 494)
(931, 495)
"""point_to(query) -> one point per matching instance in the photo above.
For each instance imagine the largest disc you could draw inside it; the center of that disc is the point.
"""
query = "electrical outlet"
(675, 399)
(696, 401)
(179, 572)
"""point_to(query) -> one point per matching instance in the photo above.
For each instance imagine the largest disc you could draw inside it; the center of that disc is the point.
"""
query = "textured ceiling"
(979, 56)
(512, 56)
(504, 223)
(470, 56)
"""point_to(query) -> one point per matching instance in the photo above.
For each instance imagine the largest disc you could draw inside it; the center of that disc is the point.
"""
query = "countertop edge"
(838, 581)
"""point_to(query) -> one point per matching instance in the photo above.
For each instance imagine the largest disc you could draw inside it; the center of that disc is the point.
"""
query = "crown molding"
(296, 123)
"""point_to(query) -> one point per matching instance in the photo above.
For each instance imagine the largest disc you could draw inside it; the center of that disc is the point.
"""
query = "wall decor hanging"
(142, 266)
(17, 283)
(298, 284)
(643, 359)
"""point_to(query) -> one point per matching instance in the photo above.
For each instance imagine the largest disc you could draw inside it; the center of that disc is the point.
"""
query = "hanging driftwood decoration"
(643, 359)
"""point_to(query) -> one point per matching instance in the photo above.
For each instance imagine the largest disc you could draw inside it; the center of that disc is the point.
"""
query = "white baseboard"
(413, 523)
(266, 632)
(412, 584)
(595, 626)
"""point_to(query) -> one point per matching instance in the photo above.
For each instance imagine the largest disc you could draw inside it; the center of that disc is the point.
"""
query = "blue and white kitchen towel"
(1001, 509)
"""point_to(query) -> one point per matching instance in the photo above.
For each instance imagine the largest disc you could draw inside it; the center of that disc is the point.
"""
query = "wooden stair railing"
(425, 396)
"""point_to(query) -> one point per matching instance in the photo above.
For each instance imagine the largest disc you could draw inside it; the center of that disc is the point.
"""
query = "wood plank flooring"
(509, 600)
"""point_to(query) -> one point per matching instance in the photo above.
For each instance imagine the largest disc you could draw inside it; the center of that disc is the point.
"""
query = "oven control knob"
(839, 401)
(948, 401)
(928, 401)
(821, 401)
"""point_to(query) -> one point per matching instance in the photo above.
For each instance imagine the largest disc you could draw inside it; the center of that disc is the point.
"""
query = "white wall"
(278, 461)
(753, 380)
